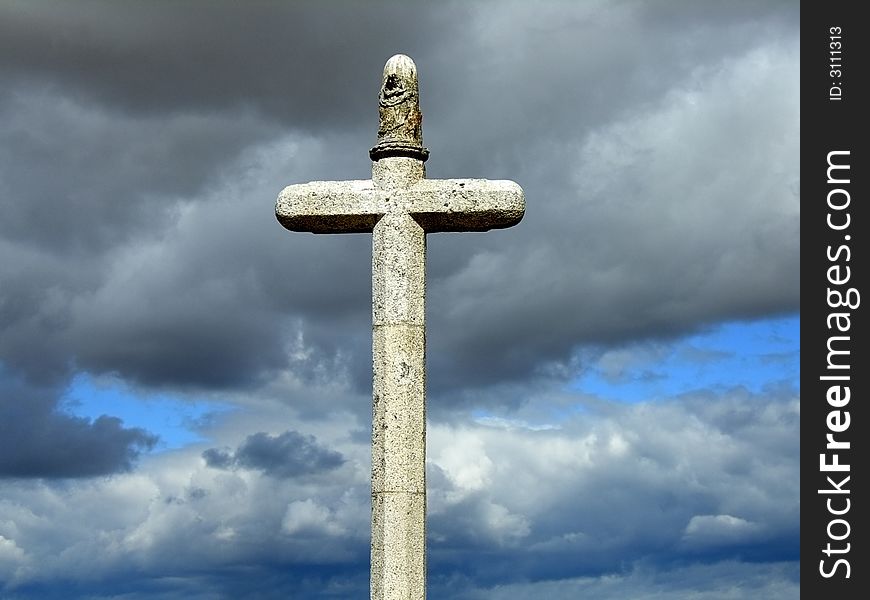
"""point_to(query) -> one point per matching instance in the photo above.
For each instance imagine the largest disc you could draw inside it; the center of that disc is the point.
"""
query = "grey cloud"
(38, 440)
(624, 493)
(294, 61)
(289, 454)
(139, 204)
(219, 458)
(682, 480)
(79, 179)
(715, 581)
(638, 237)
(214, 298)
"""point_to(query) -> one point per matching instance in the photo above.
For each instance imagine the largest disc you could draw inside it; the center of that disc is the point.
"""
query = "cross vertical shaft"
(398, 545)
(399, 207)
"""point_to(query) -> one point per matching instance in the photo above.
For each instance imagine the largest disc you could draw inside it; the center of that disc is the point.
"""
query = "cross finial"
(400, 131)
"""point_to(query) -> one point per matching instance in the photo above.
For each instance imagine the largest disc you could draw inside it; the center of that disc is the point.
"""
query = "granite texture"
(398, 570)
(436, 204)
(399, 206)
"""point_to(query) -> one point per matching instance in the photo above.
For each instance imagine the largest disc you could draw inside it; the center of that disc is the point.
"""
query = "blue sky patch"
(754, 355)
(177, 421)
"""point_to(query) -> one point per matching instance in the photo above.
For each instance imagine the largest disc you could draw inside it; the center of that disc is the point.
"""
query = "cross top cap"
(401, 64)
(400, 127)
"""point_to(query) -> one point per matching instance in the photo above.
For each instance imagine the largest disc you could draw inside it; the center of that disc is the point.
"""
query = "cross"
(399, 206)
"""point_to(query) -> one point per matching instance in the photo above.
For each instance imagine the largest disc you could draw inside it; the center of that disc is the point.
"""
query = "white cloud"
(12, 559)
(461, 455)
(634, 483)
(307, 517)
(704, 531)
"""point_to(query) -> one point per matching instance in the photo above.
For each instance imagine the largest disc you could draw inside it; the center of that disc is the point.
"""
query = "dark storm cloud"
(143, 245)
(78, 179)
(296, 61)
(289, 454)
(38, 440)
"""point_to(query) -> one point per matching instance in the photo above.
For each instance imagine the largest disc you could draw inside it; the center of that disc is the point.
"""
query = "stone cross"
(399, 206)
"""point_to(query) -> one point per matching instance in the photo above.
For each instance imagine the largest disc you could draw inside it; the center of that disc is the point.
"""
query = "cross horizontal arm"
(435, 204)
(330, 206)
(466, 204)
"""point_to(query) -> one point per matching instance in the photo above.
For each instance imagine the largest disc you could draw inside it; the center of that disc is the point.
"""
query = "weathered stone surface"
(399, 409)
(398, 270)
(399, 546)
(399, 206)
(400, 127)
(330, 206)
(397, 173)
(436, 204)
(466, 204)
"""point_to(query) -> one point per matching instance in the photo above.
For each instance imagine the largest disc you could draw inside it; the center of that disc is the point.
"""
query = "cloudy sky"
(185, 387)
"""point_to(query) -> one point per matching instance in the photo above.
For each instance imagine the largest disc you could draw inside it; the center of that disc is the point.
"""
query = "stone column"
(398, 546)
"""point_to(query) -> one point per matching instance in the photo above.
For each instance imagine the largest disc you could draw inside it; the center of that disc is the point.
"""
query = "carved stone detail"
(400, 129)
